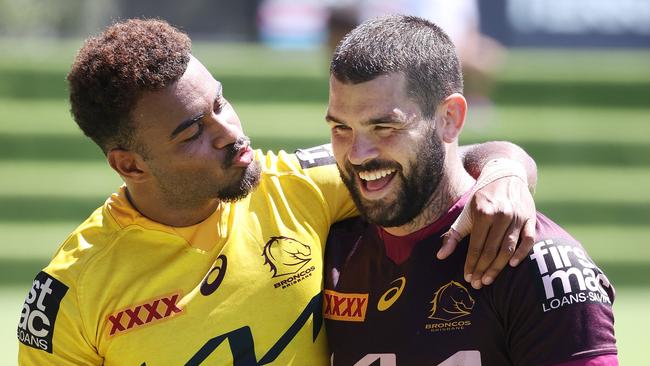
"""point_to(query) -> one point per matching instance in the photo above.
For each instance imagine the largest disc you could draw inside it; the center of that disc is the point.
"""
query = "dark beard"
(416, 190)
(187, 191)
(250, 178)
(249, 181)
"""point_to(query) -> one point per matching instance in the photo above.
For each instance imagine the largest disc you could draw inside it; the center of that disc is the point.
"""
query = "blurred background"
(569, 81)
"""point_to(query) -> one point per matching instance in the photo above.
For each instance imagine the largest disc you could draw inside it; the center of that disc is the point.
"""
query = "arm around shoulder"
(475, 157)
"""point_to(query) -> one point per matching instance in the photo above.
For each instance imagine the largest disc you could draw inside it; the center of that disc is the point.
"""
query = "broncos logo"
(451, 301)
(285, 255)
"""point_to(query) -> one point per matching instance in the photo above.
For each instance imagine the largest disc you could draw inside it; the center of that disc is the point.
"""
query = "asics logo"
(392, 294)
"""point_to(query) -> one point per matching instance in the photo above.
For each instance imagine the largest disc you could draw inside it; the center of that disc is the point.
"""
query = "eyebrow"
(373, 121)
(383, 120)
(330, 118)
(192, 120)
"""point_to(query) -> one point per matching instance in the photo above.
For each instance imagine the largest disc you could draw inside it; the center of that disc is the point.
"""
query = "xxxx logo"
(136, 316)
(345, 307)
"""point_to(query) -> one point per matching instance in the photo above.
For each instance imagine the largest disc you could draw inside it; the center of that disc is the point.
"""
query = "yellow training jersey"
(241, 288)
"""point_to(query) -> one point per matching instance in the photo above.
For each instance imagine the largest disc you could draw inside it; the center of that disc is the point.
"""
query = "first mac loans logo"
(38, 315)
(568, 275)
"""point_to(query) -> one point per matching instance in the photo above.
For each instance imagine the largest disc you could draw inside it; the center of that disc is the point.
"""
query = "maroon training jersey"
(554, 307)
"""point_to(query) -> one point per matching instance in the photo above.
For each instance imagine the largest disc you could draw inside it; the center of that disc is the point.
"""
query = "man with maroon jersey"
(396, 112)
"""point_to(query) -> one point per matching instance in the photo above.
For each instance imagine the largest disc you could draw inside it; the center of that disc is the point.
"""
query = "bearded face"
(412, 182)
(201, 182)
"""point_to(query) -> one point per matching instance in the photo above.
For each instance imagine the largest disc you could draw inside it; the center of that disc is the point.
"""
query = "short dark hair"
(112, 70)
(406, 44)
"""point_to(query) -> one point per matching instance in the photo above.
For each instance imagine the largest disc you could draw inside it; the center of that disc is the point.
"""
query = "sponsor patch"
(38, 316)
(344, 306)
(450, 304)
(568, 276)
(315, 156)
(288, 260)
(146, 313)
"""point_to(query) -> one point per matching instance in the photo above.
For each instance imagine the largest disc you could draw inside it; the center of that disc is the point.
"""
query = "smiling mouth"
(376, 180)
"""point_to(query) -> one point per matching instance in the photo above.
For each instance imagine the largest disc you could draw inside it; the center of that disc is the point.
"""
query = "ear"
(451, 112)
(128, 164)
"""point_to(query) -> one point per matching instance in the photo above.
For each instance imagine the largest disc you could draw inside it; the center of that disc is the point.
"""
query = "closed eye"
(385, 130)
(381, 127)
(340, 127)
(197, 134)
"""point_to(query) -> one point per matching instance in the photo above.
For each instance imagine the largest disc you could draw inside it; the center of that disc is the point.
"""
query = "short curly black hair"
(112, 70)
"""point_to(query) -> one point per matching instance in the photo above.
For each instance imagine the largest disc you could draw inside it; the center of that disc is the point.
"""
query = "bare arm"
(499, 215)
(477, 155)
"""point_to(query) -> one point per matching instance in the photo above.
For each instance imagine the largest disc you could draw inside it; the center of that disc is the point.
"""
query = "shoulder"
(557, 276)
(308, 178)
(344, 234)
(55, 289)
(557, 290)
(300, 162)
(103, 240)
(316, 156)
(88, 240)
(314, 167)
(546, 228)
(563, 265)
(561, 270)
(344, 241)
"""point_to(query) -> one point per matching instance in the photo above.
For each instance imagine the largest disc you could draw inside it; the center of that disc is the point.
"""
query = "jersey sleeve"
(50, 330)
(556, 306)
(604, 360)
(319, 165)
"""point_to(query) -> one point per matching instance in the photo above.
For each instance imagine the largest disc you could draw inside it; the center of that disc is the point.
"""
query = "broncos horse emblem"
(286, 255)
(451, 301)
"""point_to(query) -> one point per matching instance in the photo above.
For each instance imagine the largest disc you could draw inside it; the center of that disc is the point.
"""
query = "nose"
(363, 149)
(225, 132)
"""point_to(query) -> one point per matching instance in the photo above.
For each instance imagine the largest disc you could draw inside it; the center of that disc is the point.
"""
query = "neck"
(159, 210)
(454, 183)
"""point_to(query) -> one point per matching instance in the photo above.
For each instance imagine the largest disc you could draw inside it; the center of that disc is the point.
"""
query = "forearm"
(477, 155)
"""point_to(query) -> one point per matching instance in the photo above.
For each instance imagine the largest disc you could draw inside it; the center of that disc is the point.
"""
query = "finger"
(450, 241)
(526, 242)
(476, 242)
(463, 223)
(459, 229)
(505, 253)
(491, 248)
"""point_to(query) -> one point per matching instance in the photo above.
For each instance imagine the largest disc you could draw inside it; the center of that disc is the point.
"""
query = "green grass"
(10, 306)
(586, 123)
(632, 323)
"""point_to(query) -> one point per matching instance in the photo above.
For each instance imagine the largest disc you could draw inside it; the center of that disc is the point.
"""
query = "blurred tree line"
(53, 18)
(207, 19)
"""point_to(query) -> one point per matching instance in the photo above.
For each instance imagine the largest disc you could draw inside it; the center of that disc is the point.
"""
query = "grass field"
(583, 115)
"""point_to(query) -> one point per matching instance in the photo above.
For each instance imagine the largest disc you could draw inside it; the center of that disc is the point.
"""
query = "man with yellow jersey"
(212, 252)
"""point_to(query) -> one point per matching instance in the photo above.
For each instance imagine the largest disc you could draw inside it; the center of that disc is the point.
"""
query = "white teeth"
(375, 174)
